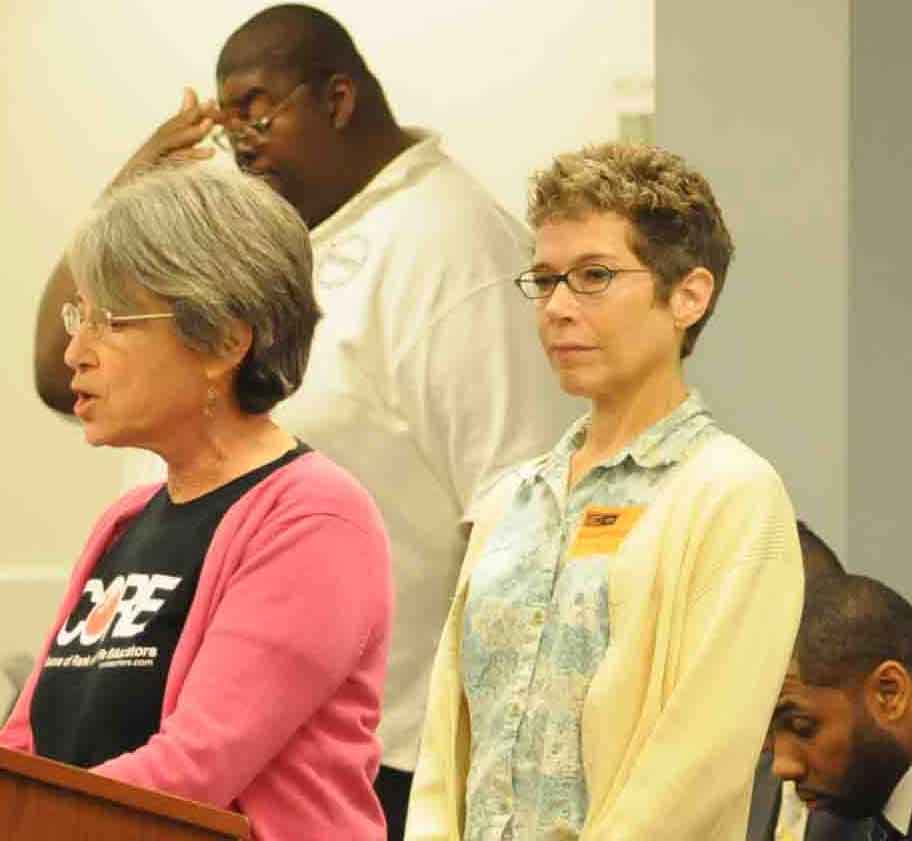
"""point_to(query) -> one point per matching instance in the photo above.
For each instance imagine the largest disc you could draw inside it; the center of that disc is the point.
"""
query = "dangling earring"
(211, 401)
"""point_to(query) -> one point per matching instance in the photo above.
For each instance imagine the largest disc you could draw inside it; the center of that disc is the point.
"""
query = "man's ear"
(340, 96)
(691, 296)
(888, 693)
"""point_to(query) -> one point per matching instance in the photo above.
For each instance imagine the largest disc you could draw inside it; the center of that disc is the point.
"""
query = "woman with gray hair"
(224, 634)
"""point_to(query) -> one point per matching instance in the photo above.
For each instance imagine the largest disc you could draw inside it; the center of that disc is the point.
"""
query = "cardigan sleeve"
(436, 801)
(718, 666)
(306, 599)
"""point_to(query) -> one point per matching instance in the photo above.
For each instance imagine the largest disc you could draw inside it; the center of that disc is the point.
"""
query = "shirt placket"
(549, 554)
(569, 510)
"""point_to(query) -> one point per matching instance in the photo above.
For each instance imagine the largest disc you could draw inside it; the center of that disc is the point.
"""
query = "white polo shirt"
(898, 810)
(791, 824)
(425, 380)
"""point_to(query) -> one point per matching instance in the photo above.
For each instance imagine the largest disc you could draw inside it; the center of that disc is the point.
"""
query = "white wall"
(880, 293)
(508, 83)
(798, 113)
(756, 95)
(29, 598)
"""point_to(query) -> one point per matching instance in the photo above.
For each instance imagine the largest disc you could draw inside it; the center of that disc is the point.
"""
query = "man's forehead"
(269, 46)
(239, 87)
(793, 688)
(796, 695)
(794, 670)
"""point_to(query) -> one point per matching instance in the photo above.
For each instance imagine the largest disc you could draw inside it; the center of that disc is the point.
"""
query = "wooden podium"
(41, 800)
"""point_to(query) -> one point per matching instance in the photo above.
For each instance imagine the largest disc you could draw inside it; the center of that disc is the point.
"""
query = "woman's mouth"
(570, 351)
(83, 403)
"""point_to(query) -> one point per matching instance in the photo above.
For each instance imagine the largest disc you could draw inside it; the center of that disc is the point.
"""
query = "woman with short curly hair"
(629, 600)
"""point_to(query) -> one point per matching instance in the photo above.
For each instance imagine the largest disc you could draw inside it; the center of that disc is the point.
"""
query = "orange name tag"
(604, 529)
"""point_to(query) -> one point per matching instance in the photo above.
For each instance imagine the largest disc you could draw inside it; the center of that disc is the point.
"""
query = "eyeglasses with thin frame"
(255, 131)
(99, 321)
(590, 279)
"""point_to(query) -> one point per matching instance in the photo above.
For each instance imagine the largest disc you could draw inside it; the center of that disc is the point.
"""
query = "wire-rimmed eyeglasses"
(254, 131)
(591, 279)
(100, 321)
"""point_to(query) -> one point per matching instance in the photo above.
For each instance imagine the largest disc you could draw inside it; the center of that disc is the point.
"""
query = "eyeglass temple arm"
(144, 317)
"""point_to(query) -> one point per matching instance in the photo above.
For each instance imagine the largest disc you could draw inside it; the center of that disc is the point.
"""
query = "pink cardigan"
(275, 687)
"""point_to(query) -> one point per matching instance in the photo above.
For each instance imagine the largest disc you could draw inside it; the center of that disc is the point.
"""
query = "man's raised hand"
(176, 139)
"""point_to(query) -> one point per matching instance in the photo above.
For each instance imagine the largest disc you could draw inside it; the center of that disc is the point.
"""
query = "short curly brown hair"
(677, 225)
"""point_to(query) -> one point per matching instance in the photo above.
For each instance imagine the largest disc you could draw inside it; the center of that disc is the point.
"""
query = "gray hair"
(217, 245)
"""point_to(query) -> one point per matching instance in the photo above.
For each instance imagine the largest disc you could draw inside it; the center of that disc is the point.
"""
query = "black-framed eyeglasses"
(99, 321)
(255, 131)
(590, 279)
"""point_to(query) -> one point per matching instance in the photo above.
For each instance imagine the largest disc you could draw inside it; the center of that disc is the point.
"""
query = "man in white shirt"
(425, 378)
(842, 728)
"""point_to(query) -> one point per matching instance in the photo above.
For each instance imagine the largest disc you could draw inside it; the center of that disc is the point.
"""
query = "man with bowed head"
(842, 729)
(776, 812)
(424, 380)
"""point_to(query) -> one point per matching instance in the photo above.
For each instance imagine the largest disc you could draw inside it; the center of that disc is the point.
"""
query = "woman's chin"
(96, 436)
(93, 437)
(572, 382)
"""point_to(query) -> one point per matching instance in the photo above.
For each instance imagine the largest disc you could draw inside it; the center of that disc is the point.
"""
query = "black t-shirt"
(101, 689)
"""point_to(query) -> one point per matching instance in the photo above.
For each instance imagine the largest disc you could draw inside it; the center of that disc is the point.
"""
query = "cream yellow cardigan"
(705, 597)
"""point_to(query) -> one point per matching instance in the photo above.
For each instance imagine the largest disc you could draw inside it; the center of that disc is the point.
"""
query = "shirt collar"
(898, 810)
(664, 443)
(425, 152)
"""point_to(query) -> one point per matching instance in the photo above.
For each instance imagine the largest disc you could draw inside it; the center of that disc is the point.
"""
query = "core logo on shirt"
(99, 620)
(123, 609)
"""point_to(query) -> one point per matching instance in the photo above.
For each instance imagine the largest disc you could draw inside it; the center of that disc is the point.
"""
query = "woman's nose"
(561, 302)
(77, 352)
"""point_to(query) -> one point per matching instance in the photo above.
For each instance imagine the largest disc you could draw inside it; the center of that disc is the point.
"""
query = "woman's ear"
(235, 347)
(691, 296)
